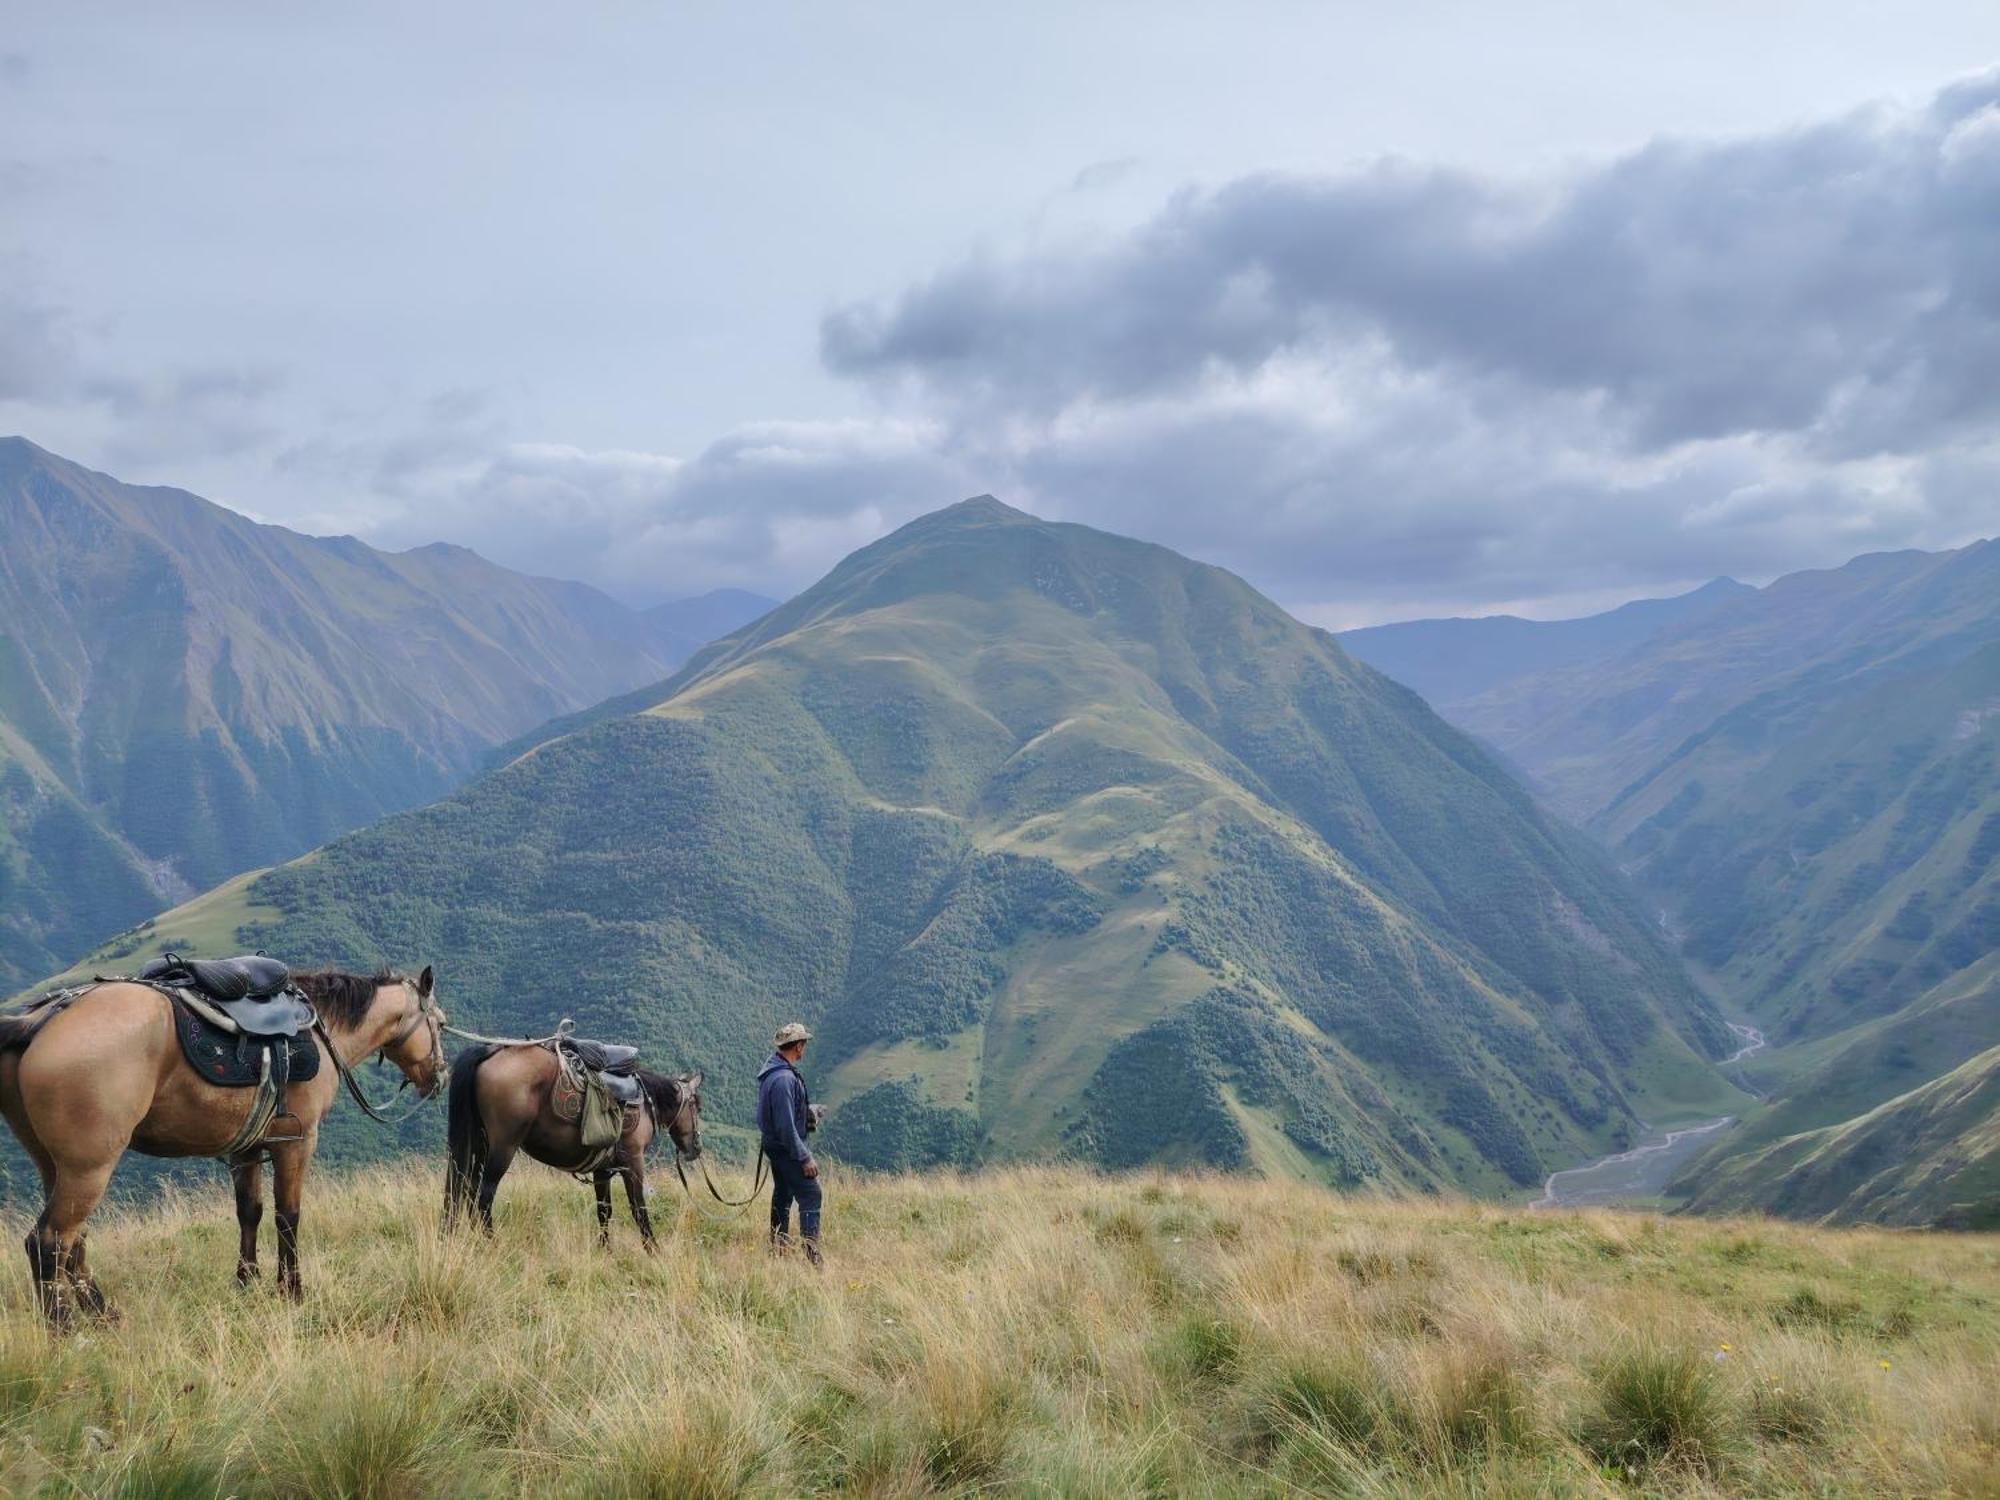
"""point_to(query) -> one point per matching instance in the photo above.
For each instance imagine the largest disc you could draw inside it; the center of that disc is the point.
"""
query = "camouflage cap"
(793, 1031)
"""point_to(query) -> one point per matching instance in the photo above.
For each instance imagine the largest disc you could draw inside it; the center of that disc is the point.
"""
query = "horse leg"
(55, 1245)
(288, 1182)
(89, 1295)
(45, 1266)
(499, 1157)
(635, 1195)
(249, 1179)
(44, 1259)
(600, 1183)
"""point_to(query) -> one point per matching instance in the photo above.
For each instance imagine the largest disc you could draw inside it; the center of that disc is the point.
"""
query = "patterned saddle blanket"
(237, 1061)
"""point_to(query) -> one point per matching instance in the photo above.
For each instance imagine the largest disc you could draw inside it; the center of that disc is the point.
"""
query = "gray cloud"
(36, 355)
(1393, 389)
(1397, 390)
(1410, 383)
(186, 413)
(1838, 281)
(47, 364)
(1352, 492)
(769, 506)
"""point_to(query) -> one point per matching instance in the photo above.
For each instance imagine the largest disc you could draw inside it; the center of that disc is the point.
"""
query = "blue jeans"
(789, 1185)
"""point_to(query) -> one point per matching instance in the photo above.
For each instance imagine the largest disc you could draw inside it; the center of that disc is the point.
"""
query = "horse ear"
(424, 982)
(693, 1081)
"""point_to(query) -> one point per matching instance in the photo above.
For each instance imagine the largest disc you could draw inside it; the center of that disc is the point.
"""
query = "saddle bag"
(603, 1119)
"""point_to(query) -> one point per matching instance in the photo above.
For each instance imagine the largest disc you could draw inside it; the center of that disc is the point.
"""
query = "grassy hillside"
(185, 693)
(1807, 780)
(1930, 1156)
(1026, 1333)
(1594, 733)
(1065, 845)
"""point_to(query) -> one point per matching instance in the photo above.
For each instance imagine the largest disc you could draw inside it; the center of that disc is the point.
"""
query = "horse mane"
(344, 998)
(665, 1092)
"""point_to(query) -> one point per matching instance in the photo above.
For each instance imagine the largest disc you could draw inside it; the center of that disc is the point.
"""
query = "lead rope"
(738, 1204)
(347, 1077)
(564, 1028)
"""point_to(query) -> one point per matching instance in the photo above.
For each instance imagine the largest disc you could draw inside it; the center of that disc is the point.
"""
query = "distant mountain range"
(1807, 778)
(185, 694)
(1063, 844)
(1453, 661)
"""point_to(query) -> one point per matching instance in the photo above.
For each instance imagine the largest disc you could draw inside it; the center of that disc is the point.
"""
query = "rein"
(426, 1011)
(737, 1204)
(680, 1167)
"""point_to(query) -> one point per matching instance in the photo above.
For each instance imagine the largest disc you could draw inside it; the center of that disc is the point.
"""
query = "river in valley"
(1646, 1169)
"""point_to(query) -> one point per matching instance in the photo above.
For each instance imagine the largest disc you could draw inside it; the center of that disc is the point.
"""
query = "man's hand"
(811, 1167)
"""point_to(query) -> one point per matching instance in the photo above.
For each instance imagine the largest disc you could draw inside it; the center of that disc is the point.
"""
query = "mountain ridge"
(1807, 780)
(1038, 826)
(1450, 660)
(186, 692)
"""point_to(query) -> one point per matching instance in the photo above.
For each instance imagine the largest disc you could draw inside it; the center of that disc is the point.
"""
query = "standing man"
(784, 1116)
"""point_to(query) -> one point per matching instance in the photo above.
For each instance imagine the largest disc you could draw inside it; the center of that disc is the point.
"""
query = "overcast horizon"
(1442, 313)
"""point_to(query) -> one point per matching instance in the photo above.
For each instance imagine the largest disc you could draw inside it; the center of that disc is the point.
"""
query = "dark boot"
(781, 1243)
(813, 1257)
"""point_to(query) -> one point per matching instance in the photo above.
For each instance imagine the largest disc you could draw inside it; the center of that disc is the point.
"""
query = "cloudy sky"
(1394, 310)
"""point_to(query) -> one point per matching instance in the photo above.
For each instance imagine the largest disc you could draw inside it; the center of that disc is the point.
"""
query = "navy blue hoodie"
(781, 1111)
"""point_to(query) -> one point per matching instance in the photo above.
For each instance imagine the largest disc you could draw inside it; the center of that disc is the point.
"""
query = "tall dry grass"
(1030, 1332)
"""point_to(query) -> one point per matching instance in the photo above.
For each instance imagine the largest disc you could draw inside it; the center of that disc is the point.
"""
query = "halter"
(689, 1100)
(427, 1010)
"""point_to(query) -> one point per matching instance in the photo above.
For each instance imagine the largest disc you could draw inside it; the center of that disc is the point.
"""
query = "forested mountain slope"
(1063, 844)
(185, 693)
(1808, 781)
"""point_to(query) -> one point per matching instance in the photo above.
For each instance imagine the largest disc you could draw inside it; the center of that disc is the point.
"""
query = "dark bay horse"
(107, 1075)
(502, 1102)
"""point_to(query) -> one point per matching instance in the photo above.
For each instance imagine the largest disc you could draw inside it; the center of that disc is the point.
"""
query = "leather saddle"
(602, 1057)
(254, 991)
(610, 1062)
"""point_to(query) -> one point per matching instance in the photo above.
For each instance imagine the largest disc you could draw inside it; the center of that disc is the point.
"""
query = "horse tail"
(16, 1031)
(465, 1134)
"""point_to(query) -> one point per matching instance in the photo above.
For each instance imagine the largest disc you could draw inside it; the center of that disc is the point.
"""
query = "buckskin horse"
(502, 1101)
(104, 1073)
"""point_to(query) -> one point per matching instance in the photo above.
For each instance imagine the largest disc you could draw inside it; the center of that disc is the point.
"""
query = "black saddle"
(601, 1057)
(251, 977)
(254, 991)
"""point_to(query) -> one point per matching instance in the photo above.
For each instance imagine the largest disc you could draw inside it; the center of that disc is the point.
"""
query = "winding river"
(1646, 1169)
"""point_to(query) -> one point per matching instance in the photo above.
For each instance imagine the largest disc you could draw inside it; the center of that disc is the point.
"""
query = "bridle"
(427, 1010)
(690, 1100)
